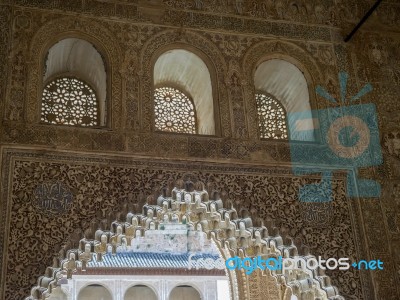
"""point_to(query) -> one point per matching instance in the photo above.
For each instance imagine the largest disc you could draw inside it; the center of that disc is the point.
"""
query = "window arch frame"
(97, 45)
(84, 81)
(312, 100)
(294, 61)
(184, 92)
(151, 287)
(95, 283)
(212, 71)
(268, 95)
(185, 284)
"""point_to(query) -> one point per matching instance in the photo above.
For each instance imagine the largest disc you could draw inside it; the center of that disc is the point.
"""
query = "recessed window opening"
(74, 85)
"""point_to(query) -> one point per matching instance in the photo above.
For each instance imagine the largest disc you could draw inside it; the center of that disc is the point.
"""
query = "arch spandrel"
(202, 47)
(94, 33)
(175, 211)
(273, 49)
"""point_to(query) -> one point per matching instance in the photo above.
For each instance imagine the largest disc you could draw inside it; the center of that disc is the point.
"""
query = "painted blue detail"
(148, 260)
(366, 89)
(349, 140)
(323, 93)
(343, 76)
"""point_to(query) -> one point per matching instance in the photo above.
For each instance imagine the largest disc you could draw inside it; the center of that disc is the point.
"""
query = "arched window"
(75, 85)
(183, 94)
(283, 101)
(174, 111)
(271, 117)
(94, 291)
(183, 292)
(69, 101)
(142, 292)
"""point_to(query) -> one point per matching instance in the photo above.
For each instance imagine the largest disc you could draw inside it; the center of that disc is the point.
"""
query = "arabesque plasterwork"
(255, 173)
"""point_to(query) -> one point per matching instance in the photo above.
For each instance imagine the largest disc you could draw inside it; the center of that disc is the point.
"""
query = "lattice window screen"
(174, 111)
(271, 118)
(69, 101)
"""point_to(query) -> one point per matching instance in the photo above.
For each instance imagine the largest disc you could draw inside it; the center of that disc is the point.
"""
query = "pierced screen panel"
(69, 101)
(174, 111)
(271, 118)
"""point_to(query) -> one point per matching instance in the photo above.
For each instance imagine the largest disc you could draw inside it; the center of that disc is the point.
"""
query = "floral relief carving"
(235, 83)
(381, 51)
(5, 35)
(99, 190)
(337, 13)
(231, 45)
(314, 12)
(249, 238)
(234, 35)
(392, 143)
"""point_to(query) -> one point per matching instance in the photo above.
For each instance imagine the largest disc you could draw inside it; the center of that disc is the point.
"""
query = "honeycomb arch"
(186, 202)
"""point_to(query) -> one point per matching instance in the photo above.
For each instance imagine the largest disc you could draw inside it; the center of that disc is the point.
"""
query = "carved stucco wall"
(234, 35)
(101, 185)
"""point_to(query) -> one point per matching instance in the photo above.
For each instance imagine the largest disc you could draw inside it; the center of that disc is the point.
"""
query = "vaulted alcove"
(75, 85)
(184, 73)
(282, 91)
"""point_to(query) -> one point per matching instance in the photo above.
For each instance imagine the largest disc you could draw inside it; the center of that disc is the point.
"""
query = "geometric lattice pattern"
(69, 101)
(174, 111)
(271, 118)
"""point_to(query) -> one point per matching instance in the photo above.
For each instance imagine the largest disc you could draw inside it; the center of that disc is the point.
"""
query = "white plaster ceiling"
(79, 58)
(287, 84)
(183, 69)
